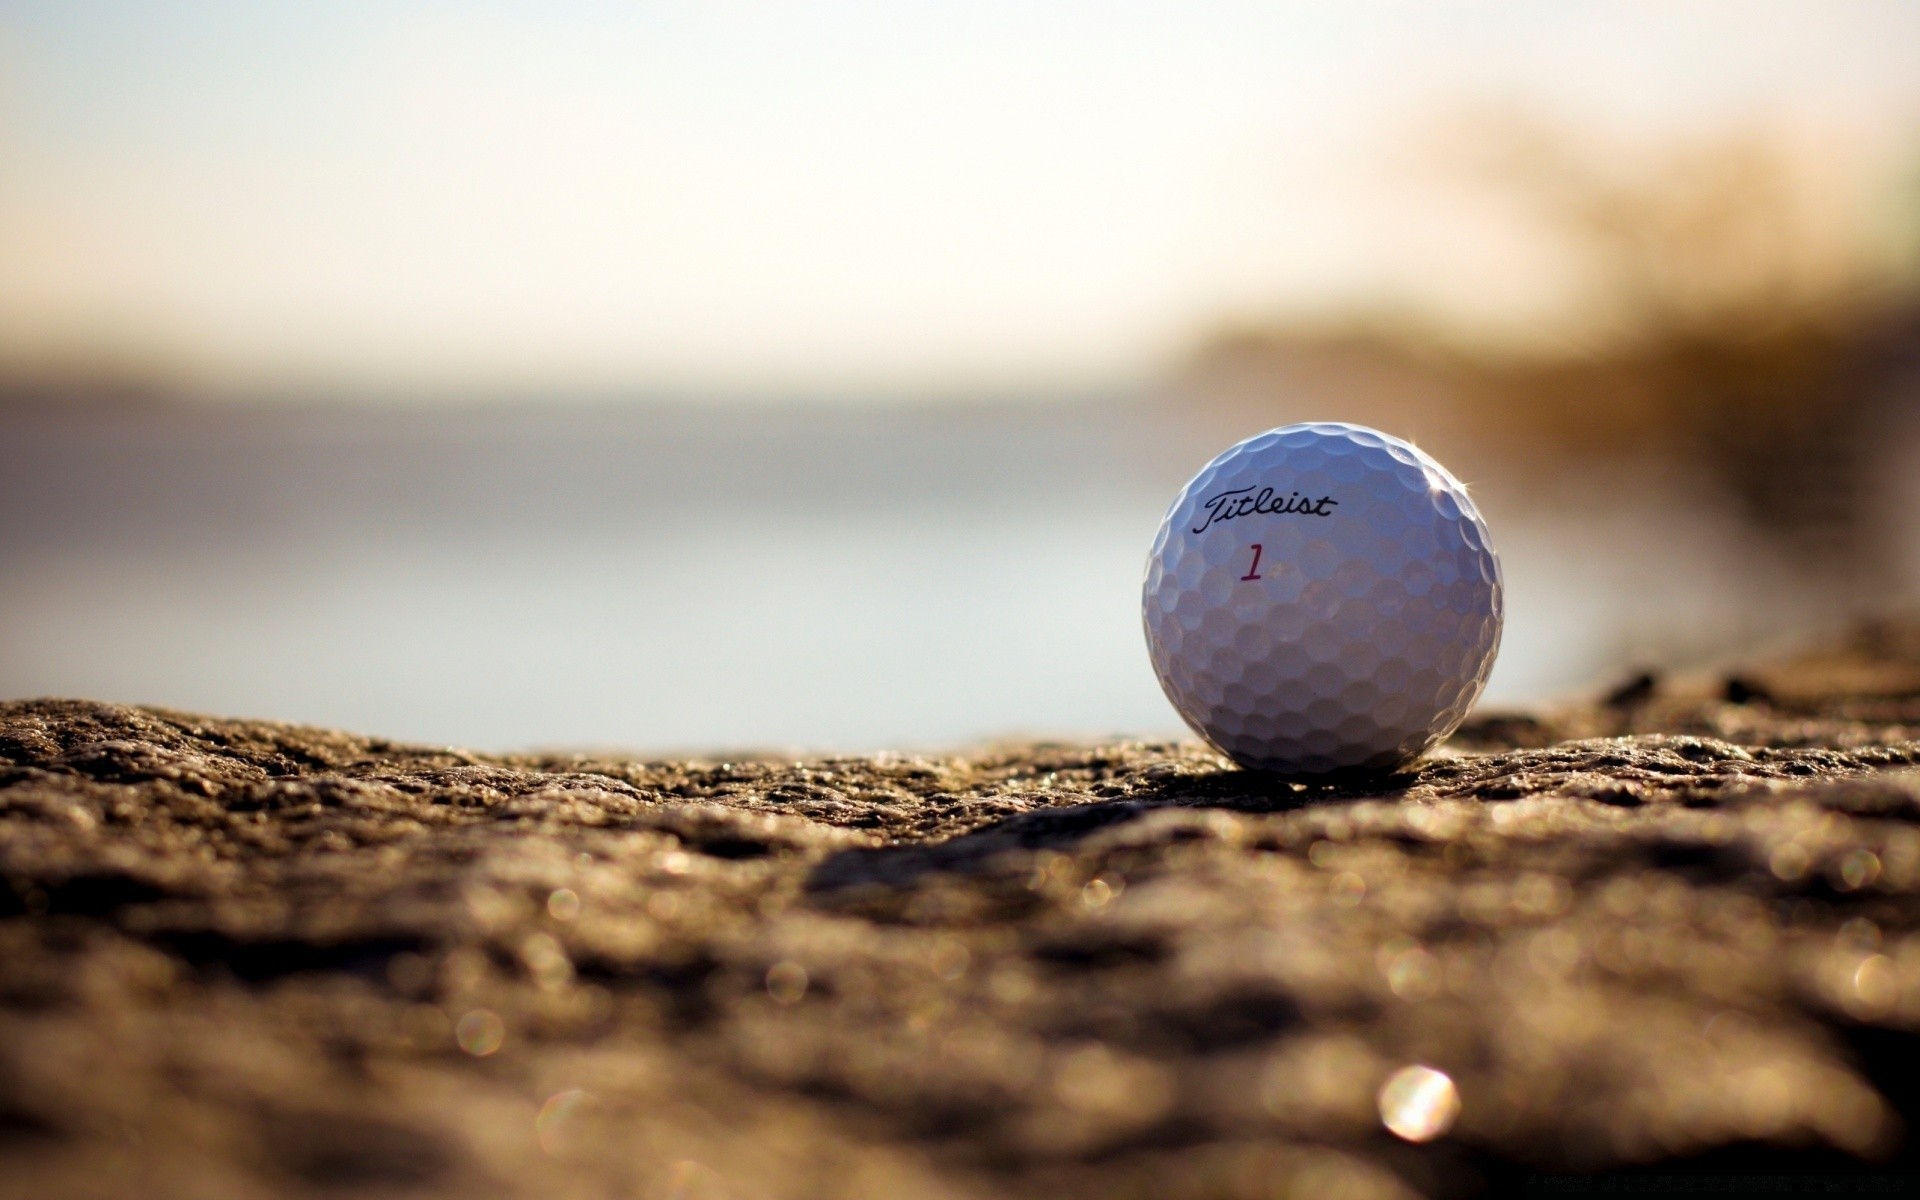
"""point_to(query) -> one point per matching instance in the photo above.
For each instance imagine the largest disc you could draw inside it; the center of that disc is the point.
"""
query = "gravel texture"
(1676, 930)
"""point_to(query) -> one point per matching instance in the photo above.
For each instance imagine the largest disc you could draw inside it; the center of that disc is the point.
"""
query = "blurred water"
(662, 577)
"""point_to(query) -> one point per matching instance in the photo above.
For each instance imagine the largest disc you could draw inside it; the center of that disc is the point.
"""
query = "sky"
(833, 198)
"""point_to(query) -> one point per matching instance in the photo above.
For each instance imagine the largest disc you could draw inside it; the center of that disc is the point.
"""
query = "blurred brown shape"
(1739, 325)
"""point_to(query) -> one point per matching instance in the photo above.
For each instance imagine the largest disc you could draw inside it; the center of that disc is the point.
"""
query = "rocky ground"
(1675, 931)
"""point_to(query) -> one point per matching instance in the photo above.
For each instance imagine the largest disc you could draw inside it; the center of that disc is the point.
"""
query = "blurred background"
(702, 376)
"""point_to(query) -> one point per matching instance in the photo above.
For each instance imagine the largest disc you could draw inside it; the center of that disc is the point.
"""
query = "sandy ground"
(1678, 930)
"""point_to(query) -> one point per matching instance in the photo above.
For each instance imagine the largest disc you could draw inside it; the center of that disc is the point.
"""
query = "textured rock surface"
(1678, 929)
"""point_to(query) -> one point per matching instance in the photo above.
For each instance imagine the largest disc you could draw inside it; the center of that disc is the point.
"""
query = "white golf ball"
(1323, 597)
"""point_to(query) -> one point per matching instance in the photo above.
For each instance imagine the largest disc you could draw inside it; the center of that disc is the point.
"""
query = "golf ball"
(1322, 597)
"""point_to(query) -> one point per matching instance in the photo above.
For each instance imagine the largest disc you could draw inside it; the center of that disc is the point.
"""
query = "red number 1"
(1253, 572)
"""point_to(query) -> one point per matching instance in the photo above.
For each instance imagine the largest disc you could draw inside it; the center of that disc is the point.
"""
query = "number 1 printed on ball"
(1253, 572)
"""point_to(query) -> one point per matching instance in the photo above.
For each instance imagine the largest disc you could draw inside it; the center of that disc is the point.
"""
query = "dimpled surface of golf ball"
(1322, 598)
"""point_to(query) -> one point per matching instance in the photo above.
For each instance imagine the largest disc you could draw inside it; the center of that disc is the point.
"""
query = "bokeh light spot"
(480, 1032)
(1419, 1104)
(1348, 889)
(786, 982)
(563, 904)
(553, 1124)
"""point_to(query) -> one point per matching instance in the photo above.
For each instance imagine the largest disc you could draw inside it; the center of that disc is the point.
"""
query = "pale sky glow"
(436, 198)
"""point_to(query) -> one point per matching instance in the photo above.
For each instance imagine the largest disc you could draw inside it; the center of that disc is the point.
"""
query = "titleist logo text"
(1242, 502)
